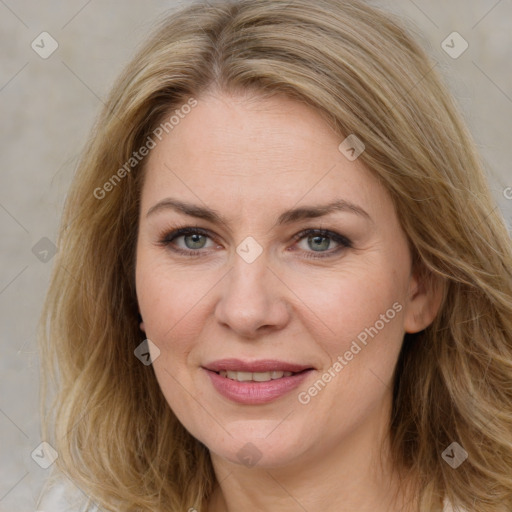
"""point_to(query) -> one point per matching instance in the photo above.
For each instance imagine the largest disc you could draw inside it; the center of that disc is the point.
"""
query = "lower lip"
(254, 393)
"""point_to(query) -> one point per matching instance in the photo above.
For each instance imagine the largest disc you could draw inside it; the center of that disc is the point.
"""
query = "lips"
(256, 382)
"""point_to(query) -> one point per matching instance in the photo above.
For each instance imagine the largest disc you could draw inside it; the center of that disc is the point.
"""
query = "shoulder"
(60, 495)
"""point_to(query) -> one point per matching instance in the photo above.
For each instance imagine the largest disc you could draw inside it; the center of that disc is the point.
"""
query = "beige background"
(47, 108)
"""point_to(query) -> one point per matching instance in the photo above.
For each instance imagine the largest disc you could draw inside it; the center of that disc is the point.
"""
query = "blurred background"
(58, 62)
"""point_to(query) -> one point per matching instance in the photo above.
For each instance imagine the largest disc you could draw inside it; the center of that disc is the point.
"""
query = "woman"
(282, 281)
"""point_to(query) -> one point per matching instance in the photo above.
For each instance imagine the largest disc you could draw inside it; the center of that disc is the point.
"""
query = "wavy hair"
(116, 436)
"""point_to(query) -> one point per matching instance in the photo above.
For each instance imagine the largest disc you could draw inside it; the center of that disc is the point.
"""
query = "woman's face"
(293, 260)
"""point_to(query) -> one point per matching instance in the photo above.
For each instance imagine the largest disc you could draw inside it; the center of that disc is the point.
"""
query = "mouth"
(257, 376)
(255, 382)
(260, 371)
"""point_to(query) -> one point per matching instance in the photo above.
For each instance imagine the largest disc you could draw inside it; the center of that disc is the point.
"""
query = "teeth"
(254, 376)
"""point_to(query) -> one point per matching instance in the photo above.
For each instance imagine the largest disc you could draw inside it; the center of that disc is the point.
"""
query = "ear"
(426, 294)
(141, 323)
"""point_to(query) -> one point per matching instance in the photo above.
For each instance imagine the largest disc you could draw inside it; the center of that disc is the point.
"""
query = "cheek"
(361, 335)
(345, 305)
(170, 302)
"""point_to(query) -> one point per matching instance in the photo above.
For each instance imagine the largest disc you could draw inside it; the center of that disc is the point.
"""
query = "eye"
(314, 243)
(187, 241)
(319, 241)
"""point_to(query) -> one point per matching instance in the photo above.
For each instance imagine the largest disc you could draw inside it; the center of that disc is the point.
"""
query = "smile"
(255, 382)
(254, 376)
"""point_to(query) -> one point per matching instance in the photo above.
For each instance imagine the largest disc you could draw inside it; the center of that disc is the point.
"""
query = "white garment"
(60, 495)
(63, 496)
(449, 508)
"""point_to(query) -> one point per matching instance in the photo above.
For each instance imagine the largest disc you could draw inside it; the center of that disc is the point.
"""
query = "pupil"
(318, 240)
(196, 241)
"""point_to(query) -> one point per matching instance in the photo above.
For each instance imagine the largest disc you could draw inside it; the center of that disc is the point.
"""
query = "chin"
(258, 449)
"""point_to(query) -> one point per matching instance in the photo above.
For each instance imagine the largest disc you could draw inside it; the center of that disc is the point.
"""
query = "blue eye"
(194, 239)
(319, 242)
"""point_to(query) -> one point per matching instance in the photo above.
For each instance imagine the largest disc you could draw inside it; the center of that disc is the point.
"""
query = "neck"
(354, 475)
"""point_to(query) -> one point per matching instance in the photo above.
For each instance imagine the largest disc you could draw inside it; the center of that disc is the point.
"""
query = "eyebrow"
(287, 217)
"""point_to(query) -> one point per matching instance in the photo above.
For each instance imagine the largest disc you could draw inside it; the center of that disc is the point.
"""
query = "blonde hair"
(116, 436)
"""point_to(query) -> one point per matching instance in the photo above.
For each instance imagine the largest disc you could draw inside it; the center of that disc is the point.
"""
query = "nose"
(253, 300)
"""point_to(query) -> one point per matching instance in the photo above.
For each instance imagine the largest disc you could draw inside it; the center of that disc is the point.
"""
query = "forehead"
(234, 152)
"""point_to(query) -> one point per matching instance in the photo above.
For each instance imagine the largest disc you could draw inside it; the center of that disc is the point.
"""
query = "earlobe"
(426, 294)
(141, 323)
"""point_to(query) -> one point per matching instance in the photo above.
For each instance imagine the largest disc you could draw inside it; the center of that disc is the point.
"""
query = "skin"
(250, 160)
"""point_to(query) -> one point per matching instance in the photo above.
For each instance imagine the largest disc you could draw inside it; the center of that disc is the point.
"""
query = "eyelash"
(169, 237)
